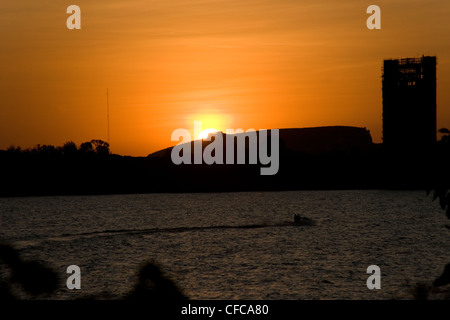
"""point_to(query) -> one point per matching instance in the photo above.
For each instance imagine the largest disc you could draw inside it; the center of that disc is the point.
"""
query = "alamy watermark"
(74, 280)
(373, 281)
(213, 152)
(74, 20)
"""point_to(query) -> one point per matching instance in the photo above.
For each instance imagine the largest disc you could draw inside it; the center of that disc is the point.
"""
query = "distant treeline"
(91, 169)
(68, 149)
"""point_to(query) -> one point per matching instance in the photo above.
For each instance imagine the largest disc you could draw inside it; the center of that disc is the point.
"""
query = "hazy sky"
(230, 63)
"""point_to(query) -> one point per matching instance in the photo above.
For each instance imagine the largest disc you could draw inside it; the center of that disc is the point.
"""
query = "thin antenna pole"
(107, 110)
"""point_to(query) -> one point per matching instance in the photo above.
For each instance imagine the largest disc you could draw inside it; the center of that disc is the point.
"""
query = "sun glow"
(208, 124)
(204, 134)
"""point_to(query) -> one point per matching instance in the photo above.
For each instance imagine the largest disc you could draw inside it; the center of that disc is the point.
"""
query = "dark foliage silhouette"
(441, 190)
(34, 278)
(153, 285)
(69, 149)
(444, 279)
(39, 281)
(100, 147)
(86, 147)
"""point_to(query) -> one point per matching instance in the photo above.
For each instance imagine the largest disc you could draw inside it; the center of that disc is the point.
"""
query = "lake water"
(109, 237)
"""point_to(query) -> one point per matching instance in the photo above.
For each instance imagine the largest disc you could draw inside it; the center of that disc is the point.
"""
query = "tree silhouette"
(442, 172)
(101, 147)
(441, 181)
(69, 148)
(14, 149)
(33, 277)
(46, 150)
(37, 280)
(86, 147)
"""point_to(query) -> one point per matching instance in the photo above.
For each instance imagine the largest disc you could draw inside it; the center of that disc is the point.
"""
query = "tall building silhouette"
(409, 102)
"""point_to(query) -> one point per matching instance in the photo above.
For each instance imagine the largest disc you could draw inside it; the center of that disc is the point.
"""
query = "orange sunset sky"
(232, 64)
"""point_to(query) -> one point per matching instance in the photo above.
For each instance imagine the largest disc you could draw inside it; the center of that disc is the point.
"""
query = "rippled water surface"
(206, 244)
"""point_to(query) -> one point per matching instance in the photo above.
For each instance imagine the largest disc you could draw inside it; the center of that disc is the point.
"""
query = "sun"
(205, 124)
(204, 134)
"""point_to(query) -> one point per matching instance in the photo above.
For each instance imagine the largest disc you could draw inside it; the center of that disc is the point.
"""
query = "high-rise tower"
(409, 102)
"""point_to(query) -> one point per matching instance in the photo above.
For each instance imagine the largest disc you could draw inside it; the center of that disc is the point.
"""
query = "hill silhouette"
(314, 140)
(310, 158)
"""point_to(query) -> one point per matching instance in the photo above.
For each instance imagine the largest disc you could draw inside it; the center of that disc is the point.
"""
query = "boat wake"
(70, 236)
(305, 222)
